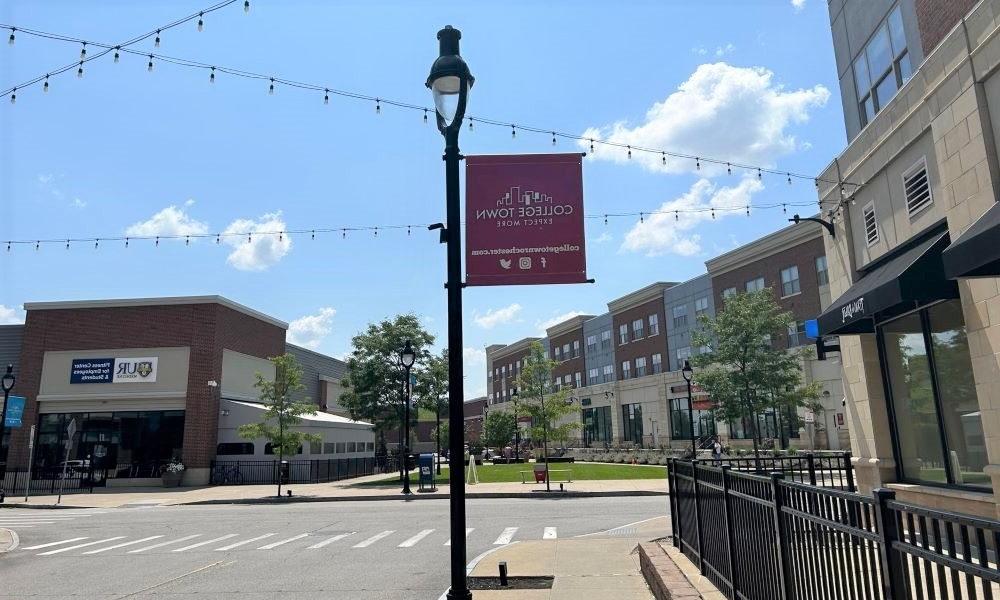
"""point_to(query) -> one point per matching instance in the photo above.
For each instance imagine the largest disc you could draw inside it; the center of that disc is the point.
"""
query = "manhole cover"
(527, 582)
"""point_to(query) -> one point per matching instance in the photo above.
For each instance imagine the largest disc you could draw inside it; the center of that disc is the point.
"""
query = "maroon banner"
(524, 219)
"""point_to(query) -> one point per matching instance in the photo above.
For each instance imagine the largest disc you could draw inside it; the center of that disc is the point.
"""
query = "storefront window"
(937, 424)
(632, 423)
(597, 425)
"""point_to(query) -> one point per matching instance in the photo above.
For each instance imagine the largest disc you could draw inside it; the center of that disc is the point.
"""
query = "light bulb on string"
(676, 216)
(314, 234)
(326, 96)
(697, 163)
(126, 242)
(149, 67)
(713, 213)
(157, 244)
(201, 22)
(729, 168)
(748, 210)
(37, 245)
(211, 76)
(343, 234)
(784, 209)
(249, 238)
(605, 219)
(246, 6)
(664, 159)
(553, 138)
(759, 174)
(218, 239)
(156, 42)
(270, 90)
(79, 71)
(280, 235)
(376, 232)
(117, 55)
(45, 86)
(816, 181)
(407, 230)
(67, 244)
(513, 132)
(378, 106)
(13, 96)
(425, 117)
(83, 51)
(641, 218)
(10, 40)
(629, 151)
(8, 246)
(187, 240)
(471, 121)
(96, 243)
(591, 145)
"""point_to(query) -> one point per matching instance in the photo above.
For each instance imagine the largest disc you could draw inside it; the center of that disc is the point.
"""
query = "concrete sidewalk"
(350, 489)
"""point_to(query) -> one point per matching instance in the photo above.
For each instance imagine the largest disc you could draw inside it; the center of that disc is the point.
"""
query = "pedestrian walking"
(717, 450)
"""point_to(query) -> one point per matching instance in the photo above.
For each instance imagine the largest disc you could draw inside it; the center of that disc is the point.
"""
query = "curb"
(47, 506)
(14, 540)
(439, 496)
(663, 576)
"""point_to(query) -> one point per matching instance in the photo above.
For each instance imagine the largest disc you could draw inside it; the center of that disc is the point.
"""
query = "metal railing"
(246, 472)
(758, 538)
(829, 470)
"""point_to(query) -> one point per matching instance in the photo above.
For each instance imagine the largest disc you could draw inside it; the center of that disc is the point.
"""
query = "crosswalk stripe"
(50, 544)
(374, 539)
(18, 526)
(329, 541)
(506, 536)
(67, 549)
(413, 540)
(205, 543)
(549, 533)
(244, 542)
(279, 543)
(167, 543)
(122, 545)
(468, 530)
(16, 523)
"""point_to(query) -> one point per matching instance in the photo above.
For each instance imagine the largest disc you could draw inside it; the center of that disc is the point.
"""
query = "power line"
(379, 101)
(343, 231)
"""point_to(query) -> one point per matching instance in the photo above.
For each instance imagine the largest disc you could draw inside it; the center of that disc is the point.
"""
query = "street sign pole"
(31, 461)
(70, 432)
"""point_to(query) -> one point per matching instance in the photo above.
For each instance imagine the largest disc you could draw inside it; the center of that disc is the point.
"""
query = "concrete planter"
(172, 479)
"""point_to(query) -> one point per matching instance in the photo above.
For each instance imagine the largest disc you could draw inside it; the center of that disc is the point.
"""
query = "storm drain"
(527, 582)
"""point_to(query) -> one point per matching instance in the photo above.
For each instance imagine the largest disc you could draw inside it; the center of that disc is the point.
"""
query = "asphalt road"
(383, 550)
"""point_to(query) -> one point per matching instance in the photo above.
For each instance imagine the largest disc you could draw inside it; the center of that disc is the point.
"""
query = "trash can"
(426, 464)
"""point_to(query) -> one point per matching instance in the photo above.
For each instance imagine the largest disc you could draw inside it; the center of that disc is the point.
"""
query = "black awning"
(915, 275)
(976, 253)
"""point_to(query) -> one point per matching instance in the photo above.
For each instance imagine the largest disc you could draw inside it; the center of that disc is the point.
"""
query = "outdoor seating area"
(563, 475)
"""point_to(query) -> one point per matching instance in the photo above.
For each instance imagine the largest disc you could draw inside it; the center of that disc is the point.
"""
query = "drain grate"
(527, 582)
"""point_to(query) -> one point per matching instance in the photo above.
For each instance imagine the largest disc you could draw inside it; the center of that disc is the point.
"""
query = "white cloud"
(721, 111)
(474, 356)
(798, 5)
(310, 330)
(189, 202)
(557, 319)
(604, 237)
(77, 203)
(257, 252)
(724, 50)
(10, 316)
(667, 232)
(169, 221)
(492, 318)
(699, 50)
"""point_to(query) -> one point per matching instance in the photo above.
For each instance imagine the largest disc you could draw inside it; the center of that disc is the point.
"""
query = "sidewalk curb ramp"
(663, 576)
(8, 540)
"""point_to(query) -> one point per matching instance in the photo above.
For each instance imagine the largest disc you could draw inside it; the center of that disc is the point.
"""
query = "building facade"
(567, 342)
(684, 303)
(913, 266)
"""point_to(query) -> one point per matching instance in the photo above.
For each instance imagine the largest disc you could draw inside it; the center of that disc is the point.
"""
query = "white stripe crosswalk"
(283, 542)
(506, 536)
(374, 539)
(331, 540)
(84, 545)
(205, 543)
(468, 530)
(167, 543)
(245, 542)
(50, 544)
(413, 541)
(123, 544)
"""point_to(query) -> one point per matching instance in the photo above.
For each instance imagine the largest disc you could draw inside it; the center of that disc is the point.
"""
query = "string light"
(664, 159)
(10, 40)
(513, 132)
(218, 238)
(117, 55)
(79, 71)
(83, 51)
(314, 233)
(149, 67)
(378, 106)
(729, 168)
(13, 96)
(67, 244)
(270, 90)
(697, 163)
(246, 6)
(471, 121)
(45, 87)
(326, 96)
(425, 117)
(96, 242)
(201, 22)
(376, 232)
(157, 241)
(759, 175)
(676, 216)
(789, 178)
(553, 138)
(630, 152)
(187, 241)
(784, 210)
(640, 218)
(126, 242)
(713, 213)
(281, 235)
(249, 238)
(591, 145)
(748, 210)
(211, 76)
(605, 219)
(37, 245)
(156, 42)
(343, 234)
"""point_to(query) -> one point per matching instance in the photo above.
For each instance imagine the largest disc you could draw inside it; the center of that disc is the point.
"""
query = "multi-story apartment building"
(566, 340)
(684, 303)
(599, 350)
(506, 363)
(914, 261)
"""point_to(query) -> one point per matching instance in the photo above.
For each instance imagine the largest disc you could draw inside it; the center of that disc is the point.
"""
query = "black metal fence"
(758, 538)
(77, 476)
(246, 472)
(829, 470)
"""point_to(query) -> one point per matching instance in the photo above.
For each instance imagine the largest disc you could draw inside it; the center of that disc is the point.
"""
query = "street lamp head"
(407, 357)
(8, 379)
(450, 81)
(687, 371)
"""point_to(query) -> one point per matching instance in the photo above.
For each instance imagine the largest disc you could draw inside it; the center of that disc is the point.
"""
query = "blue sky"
(114, 151)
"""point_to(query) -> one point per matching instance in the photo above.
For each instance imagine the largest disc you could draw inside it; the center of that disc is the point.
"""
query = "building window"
(596, 425)
(790, 281)
(680, 421)
(935, 411)
(315, 447)
(882, 67)
(626, 369)
(871, 223)
(701, 305)
(269, 449)
(591, 343)
(917, 187)
(593, 376)
(654, 324)
(329, 448)
(556, 353)
(729, 292)
(606, 338)
(680, 314)
(567, 379)
(822, 275)
(576, 348)
(755, 285)
(504, 371)
(796, 334)
(657, 363)
(566, 351)
(234, 449)
(609, 373)
(579, 379)
(683, 354)
(632, 423)
(640, 366)
(637, 332)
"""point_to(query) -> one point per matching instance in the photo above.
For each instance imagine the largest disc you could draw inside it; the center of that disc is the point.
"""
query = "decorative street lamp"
(517, 428)
(687, 372)
(449, 82)
(7, 384)
(406, 359)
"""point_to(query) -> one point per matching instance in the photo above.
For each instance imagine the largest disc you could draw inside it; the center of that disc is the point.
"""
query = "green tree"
(743, 372)
(373, 387)
(281, 414)
(431, 393)
(545, 406)
(498, 428)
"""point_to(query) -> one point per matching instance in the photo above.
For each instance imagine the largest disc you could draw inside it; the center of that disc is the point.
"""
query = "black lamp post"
(687, 372)
(8, 384)
(449, 81)
(517, 428)
(406, 359)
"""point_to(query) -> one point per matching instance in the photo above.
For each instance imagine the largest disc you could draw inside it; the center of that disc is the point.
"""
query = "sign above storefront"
(524, 219)
(114, 370)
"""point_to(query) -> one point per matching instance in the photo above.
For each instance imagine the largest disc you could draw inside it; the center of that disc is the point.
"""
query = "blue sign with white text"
(92, 370)
(812, 329)
(15, 410)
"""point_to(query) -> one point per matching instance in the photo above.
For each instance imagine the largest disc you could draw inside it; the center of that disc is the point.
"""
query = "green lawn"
(511, 473)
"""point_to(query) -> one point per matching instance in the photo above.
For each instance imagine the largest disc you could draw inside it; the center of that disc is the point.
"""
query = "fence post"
(811, 463)
(728, 513)
(787, 589)
(849, 468)
(890, 561)
(697, 515)
(675, 527)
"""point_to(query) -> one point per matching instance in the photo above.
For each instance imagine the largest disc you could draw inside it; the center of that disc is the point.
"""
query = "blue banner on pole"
(812, 329)
(15, 410)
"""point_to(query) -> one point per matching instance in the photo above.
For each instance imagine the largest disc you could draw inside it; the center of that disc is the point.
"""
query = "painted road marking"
(205, 543)
(50, 544)
(162, 544)
(244, 542)
(329, 541)
(549, 533)
(468, 530)
(122, 545)
(279, 543)
(506, 536)
(67, 549)
(415, 539)
(374, 539)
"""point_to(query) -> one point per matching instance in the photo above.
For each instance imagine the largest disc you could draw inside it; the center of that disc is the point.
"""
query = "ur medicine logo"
(144, 368)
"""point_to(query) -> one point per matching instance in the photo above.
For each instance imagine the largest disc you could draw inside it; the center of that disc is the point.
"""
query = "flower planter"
(172, 479)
